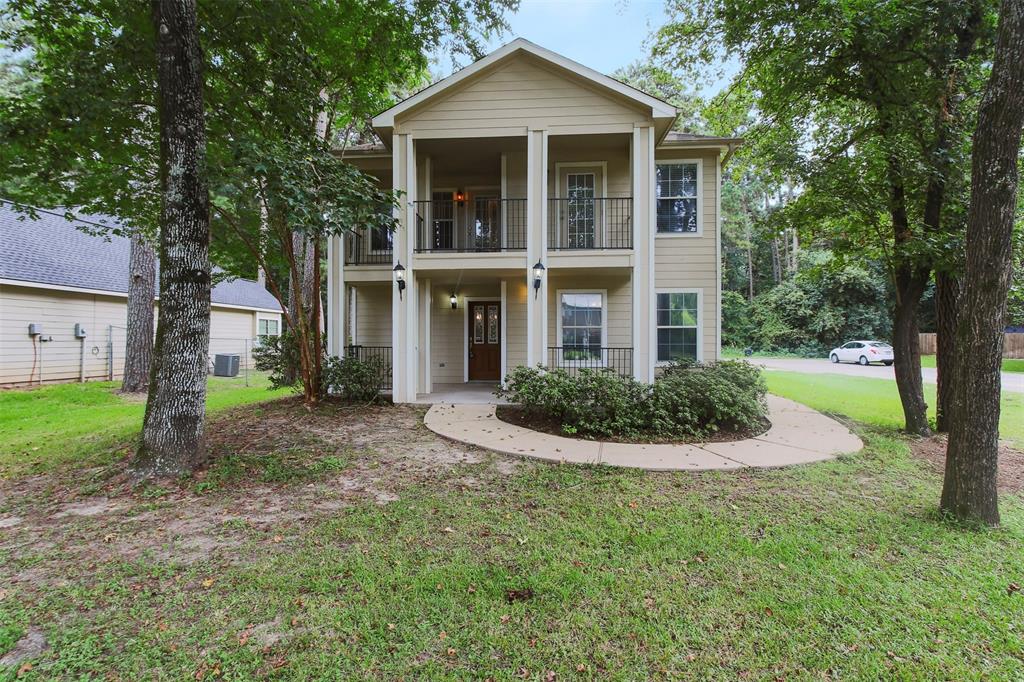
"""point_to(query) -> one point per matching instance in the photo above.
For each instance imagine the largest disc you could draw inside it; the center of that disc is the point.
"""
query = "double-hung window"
(267, 327)
(676, 187)
(678, 322)
(581, 325)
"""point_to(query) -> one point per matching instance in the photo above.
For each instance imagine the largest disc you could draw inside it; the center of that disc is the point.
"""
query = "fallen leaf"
(278, 538)
(581, 668)
(1012, 587)
(633, 504)
(208, 583)
(691, 657)
(451, 651)
(443, 635)
(471, 589)
(449, 529)
(25, 667)
(506, 618)
(550, 677)
(518, 595)
(768, 612)
(391, 626)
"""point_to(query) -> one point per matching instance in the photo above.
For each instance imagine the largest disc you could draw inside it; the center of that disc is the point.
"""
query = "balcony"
(370, 247)
(590, 223)
(482, 225)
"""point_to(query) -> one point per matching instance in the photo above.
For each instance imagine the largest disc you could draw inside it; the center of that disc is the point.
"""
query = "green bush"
(352, 379)
(687, 401)
(278, 356)
(697, 401)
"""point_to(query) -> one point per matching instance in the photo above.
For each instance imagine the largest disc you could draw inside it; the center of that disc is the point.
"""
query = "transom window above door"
(676, 190)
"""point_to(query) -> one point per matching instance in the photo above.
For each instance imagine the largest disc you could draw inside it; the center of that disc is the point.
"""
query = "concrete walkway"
(798, 435)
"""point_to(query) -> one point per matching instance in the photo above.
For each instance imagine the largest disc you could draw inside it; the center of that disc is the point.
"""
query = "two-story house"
(549, 216)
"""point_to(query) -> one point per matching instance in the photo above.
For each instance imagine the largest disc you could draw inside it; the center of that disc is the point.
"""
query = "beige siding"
(22, 361)
(103, 316)
(517, 93)
(373, 314)
(448, 329)
(618, 304)
(232, 332)
(515, 322)
(690, 262)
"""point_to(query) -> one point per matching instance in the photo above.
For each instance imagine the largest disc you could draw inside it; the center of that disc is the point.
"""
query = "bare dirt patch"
(519, 416)
(274, 469)
(1011, 462)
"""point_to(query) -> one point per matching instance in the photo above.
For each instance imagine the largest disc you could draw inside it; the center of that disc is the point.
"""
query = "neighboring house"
(526, 158)
(56, 276)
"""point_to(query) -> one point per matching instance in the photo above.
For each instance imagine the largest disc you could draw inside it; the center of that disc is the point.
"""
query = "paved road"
(1011, 381)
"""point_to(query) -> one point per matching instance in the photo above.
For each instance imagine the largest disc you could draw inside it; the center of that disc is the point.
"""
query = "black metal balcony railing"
(590, 223)
(481, 225)
(574, 358)
(377, 356)
(370, 247)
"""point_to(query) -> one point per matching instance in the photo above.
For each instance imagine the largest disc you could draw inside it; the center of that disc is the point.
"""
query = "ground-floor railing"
(379, 357)
(574, 358)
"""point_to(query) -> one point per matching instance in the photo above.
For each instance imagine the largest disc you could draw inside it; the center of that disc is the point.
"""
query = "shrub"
(688, 401)
(593, 402)
(351, 378)
(277, 355)
(691, 400)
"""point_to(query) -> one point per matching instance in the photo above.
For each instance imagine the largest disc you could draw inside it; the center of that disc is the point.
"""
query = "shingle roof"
(52, 250)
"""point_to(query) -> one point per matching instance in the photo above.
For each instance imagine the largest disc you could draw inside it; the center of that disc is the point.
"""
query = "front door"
(484, 340)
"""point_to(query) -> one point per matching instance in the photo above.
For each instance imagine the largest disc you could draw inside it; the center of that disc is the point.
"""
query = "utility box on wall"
(79, 331)
(35, 329)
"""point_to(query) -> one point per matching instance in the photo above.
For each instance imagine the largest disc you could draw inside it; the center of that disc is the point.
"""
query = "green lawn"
(81, 424)
(876, 401)
(351, 543)
(1009, 364)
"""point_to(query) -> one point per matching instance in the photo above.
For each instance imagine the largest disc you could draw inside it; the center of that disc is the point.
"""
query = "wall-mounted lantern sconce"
(460, 197)
(538, 275)
(455, 301)
(399, 279)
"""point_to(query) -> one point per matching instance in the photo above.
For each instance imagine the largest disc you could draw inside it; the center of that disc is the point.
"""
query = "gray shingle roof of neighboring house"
(52, 250)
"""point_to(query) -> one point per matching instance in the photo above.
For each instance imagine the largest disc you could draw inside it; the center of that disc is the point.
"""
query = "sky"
(602, 34)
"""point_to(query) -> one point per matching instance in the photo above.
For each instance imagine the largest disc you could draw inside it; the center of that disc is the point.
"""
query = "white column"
(644, 339)
(336, 295)
(404, 341)
(536, 244)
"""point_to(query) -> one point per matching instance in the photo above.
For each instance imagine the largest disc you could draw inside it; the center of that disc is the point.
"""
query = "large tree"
(173, 428)
(969, 487)
(852, 100)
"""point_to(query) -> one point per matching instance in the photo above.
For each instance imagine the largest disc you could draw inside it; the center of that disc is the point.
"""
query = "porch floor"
(472, 393)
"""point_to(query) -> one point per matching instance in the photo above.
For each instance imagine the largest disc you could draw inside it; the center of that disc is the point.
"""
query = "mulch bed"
(518, 415)
(1011, 462)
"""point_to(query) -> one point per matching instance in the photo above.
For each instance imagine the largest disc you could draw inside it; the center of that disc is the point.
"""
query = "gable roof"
(53, 252)
(384, 122)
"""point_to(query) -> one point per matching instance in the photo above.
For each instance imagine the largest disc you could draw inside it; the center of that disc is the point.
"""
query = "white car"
(863, 353)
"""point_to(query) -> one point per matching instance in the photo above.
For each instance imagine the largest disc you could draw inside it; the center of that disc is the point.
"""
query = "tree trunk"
(172, 433)
(910, 285)
(291, 371)
(947, 293)
(969, 487)
(139, 336)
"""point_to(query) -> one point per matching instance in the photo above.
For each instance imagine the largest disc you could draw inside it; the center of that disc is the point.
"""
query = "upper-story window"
(676, 190)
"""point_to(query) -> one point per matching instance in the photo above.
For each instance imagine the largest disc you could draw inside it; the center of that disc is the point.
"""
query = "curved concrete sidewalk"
(798, 435)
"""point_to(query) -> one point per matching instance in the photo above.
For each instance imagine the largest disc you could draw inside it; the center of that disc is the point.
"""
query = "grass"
(474, 570)
(82, 424)
(1009, 364)
(876, 401)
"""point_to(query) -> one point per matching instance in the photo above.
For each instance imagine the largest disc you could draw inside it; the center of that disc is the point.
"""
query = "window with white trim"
(267, 327)
(677, 322)
(676, 189)
(581, 320)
